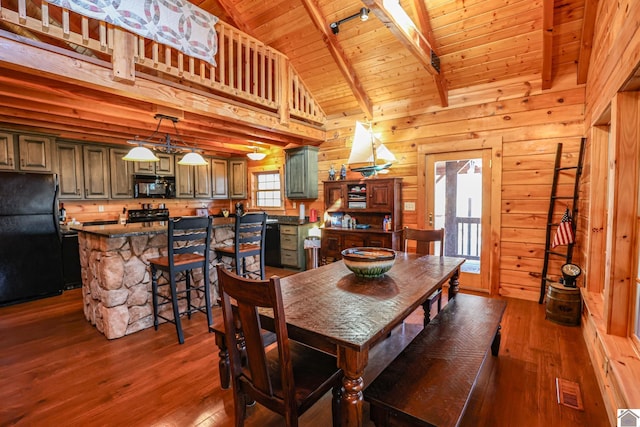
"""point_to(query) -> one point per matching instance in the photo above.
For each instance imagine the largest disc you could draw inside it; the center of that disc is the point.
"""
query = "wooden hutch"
(368, 202)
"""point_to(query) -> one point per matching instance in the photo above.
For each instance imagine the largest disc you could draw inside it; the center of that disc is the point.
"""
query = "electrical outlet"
(100, 208)
(409, 206)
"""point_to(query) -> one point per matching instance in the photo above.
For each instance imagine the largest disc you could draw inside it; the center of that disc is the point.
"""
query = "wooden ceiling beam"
(547, 43)
(230, 8)
(586, 39)
(424, 26)
(341, 59)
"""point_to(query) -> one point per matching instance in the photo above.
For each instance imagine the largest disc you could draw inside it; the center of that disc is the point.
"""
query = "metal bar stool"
(188, 244)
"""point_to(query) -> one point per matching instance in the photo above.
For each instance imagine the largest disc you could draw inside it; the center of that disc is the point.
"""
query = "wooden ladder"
(553, 206)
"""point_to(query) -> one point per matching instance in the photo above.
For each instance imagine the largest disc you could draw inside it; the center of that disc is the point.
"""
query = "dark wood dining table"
(331, 309)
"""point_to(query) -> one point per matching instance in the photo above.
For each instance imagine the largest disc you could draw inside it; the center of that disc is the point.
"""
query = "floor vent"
(569, 393)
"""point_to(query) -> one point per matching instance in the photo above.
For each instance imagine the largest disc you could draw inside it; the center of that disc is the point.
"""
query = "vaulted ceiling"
(377, 68)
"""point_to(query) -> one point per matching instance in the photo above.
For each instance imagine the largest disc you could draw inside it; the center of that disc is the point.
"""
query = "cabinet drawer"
(287, 241)
(352, 240)
(289, 229)
(289, 258)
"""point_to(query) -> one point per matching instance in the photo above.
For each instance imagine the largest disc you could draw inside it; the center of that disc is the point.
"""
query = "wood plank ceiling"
(372, 68)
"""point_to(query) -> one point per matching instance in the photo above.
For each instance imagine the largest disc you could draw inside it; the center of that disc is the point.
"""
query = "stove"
(148, 215)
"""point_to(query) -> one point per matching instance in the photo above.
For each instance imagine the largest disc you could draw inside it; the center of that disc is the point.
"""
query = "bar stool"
(188, 244)
(248, 241)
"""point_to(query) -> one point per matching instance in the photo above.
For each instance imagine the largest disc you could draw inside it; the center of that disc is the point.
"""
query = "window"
(267, 189)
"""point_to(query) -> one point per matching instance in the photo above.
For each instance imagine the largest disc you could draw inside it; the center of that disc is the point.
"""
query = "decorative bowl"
(368, 262)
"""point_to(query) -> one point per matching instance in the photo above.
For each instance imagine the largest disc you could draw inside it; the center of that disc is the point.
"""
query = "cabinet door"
(331, 244)
(121, 172)
(237, 178)
(219, 178)
(35, 153)
(202, 181)
(7, 154)
(380, 195)
(165, 167)
(333, 195)
(96, 172)
(301, 173)
(144, 168)
(352, 240)
(184, 181)
(379, 241)
(68, 166)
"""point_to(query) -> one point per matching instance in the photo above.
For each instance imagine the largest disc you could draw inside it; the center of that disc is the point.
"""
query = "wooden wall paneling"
(595, 244)
(622, 205)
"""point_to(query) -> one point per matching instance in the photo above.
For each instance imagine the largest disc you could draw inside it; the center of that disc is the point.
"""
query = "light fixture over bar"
(143, 153)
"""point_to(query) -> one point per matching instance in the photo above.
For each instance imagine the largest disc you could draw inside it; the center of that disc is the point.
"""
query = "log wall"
(530, 123)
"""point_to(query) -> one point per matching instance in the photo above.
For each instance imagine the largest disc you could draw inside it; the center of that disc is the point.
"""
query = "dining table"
(331, 309)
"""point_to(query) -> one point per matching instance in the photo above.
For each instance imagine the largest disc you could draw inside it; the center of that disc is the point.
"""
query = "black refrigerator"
(30, 249)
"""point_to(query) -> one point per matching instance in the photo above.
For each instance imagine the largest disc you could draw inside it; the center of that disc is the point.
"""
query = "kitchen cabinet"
(292, 245)
(184, 181)
(220, 178)
(202, 181)
(7, 152)
(121, 174)
(68, 166)
(368, 202)
(301, 173)
(96, 171)
(237, 178)
(35, 153)
(163, 167)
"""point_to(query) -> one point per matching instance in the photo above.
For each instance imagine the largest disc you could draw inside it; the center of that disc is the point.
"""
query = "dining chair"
(249, 238)
(425, 240)
(188, 241)
(287, 378)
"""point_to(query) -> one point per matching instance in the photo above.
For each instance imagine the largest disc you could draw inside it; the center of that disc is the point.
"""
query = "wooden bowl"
(368, 262)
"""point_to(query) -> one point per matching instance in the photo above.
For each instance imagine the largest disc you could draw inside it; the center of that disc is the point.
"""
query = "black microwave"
(159, 187)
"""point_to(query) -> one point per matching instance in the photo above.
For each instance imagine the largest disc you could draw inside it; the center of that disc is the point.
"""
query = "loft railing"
(246, 70)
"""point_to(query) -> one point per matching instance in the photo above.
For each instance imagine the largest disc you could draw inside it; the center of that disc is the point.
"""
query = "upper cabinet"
(68, 166)
(202, 181)
(164, 167)
(96, 172)
(220, 178)
(121, 174)
(7, 153)
(301, 173)
(193, 181)
(35, 153)
(238, 178)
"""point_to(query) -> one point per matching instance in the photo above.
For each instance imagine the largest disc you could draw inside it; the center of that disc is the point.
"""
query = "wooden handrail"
(247, 69)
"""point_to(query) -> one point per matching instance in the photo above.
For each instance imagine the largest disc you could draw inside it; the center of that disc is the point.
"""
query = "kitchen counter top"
(140, 228)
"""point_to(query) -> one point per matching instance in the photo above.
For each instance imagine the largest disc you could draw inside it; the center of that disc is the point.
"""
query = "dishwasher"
(272, 245)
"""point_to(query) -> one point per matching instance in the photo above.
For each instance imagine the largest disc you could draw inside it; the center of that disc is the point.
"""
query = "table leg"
(454, 285)
(352, 363)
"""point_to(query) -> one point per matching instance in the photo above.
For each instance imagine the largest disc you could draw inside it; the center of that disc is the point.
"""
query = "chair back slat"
(251, 229)
(189, 235)
(424, 240)
(248, 296)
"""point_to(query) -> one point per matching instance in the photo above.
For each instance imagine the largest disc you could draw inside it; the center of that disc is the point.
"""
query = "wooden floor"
(57, 370)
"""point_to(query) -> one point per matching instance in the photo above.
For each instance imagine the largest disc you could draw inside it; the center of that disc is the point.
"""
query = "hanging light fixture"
(142, 152)
(255, 155)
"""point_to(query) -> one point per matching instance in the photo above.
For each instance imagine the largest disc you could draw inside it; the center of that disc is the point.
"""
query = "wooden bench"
(430, 382)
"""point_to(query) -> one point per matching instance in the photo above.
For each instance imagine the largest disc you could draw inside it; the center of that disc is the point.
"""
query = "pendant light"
(142, 152)
(255, 155)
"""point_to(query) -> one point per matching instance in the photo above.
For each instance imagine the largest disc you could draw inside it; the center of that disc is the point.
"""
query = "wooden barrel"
(563, 305)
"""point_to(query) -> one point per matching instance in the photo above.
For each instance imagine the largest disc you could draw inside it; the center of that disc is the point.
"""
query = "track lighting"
(363, 15)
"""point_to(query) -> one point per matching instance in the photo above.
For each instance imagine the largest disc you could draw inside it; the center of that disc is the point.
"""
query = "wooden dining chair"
(188, 241)
(287, 378)
(425, 240)
(249, 238)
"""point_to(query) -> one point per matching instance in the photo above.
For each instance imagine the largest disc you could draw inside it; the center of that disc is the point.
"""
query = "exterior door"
(458, 194)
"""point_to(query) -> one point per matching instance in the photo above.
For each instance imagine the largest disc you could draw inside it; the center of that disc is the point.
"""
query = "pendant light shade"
(255, 155)
(193, 159)
(140, 154)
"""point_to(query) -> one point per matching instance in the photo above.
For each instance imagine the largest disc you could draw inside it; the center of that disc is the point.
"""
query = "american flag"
(564, 233)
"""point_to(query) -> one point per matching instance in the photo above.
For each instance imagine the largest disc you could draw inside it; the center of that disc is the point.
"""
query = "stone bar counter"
(116, 276)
